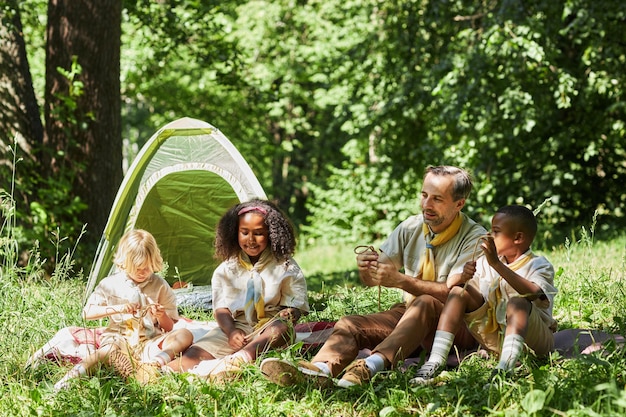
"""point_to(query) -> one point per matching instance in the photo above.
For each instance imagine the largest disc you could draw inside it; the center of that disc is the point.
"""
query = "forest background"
(338, 106)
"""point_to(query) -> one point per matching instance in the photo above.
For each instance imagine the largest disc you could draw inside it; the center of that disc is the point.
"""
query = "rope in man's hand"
(362, 249)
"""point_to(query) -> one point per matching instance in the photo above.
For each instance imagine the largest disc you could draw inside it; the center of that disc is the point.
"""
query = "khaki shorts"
(539, 337)
(216, 342)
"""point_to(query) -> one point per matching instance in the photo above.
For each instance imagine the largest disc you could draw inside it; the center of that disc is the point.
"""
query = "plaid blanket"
(72, 344)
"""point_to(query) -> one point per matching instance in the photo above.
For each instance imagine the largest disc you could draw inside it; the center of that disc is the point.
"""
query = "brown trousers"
(395, 334)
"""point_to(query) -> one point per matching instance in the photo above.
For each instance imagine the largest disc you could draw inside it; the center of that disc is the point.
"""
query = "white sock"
(441, 347)
(80, 369)
(511, 350)
(77, 371)
(323, 367)
(162, 358)
(375, 363)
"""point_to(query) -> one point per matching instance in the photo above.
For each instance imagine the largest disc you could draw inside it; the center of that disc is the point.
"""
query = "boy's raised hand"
(490, 251)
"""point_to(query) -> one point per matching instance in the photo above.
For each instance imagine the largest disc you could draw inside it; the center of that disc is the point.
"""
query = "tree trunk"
(19, 112)
(83, 109)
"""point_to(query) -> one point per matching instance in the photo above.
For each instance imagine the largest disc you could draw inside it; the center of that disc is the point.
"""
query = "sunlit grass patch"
(33, 307)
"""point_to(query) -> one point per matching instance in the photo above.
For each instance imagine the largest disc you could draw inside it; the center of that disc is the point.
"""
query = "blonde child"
(510, 292)
(259, 291)
(141, 309)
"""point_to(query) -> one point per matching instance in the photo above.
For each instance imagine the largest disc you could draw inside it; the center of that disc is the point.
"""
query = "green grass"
(591, 283)
(328, 266)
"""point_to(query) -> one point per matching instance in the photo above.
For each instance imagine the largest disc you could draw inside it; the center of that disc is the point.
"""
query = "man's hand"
(367, 262)
(377, 269)
(386, 275)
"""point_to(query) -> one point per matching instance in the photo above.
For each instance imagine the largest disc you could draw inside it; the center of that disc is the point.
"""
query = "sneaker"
(286, 374)
(426, 374)
(227, 370)
(204, 368)
(356, 374)
(128, 367)
(147, 373)
(64, 383)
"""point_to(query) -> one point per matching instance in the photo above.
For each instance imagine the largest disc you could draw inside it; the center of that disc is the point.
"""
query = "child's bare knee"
(519, 304)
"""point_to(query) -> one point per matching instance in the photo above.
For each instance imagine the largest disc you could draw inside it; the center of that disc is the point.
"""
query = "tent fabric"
(179, 185)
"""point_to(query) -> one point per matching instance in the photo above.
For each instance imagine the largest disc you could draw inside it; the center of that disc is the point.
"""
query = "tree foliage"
(340, 105)
(527, 95)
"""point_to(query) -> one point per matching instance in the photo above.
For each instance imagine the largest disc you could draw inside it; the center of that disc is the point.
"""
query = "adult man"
(432, 248)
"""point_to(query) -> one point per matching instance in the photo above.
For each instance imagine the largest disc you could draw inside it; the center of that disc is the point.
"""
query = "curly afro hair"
(282, 239)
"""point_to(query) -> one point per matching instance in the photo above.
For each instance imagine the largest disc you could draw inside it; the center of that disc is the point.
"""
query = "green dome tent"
(179, 185)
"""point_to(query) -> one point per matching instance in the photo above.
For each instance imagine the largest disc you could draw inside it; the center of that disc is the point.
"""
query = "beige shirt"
(406, 245)
(283, 286)
(119, 289)
(538, 271)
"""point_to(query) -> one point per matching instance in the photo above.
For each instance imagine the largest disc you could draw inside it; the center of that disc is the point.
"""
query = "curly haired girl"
(259, 291)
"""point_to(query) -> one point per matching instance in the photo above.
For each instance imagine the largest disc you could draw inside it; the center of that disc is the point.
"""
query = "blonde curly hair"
(138, 249)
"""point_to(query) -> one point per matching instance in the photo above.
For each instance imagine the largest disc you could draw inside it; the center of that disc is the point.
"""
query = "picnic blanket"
(73, 343)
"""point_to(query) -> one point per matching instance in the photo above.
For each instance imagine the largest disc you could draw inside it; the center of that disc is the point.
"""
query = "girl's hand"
(237, 339)
(291, 314)
(131, 308)
(157, 311)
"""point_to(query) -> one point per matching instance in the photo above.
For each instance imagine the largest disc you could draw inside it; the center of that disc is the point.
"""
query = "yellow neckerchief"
(494, 299)
(427, 263)
(255, 302)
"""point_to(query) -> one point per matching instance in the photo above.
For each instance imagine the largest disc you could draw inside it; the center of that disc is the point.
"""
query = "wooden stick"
(481, 239)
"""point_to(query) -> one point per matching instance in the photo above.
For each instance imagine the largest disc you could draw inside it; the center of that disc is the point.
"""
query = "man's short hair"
(462, 179)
